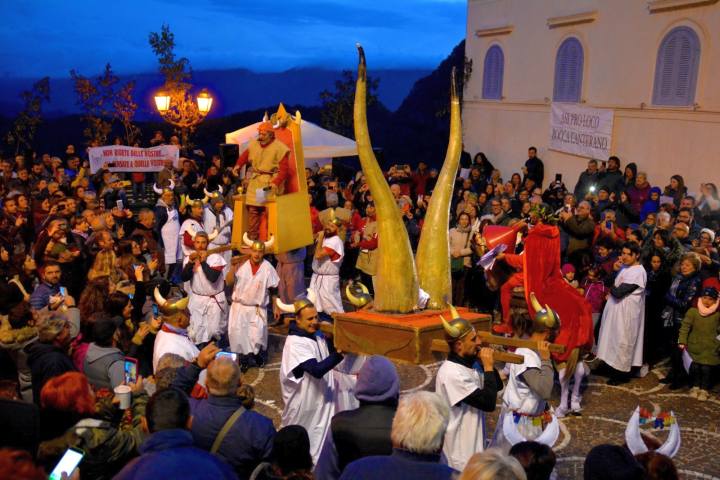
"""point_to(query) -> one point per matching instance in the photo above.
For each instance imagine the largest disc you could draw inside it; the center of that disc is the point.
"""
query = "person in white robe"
(467, 391)
(217, 218)
(168, 224)
(190, 227)
(254, 287)
(208, 305)
(529, 384)
(620, 342)
(173, 336)
(306, 377)
(325, 280)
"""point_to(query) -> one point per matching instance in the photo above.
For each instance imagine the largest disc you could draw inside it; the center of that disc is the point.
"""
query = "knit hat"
(567, 268)
(709, 292)
(291, 449)
(709, 232)
(612, 461)
(377, 380)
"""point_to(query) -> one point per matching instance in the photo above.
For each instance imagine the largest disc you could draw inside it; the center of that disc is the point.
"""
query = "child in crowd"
(699, 336)
(595, 293)
(568, 272)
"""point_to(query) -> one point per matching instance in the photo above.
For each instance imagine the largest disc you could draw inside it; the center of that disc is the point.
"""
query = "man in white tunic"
(306, 376)
(217, 218)
(468, 392)
(325, 280)
(620, 342)
(208, 305)
(190, 227)
(254, 286)
(168, 226)
(173, 337)
(530, 383)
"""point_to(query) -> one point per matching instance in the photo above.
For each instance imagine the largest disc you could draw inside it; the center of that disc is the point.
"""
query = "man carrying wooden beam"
(468, 391)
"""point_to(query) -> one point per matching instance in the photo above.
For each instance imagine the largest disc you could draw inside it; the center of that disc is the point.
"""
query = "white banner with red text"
(582, 131)
(119, 158)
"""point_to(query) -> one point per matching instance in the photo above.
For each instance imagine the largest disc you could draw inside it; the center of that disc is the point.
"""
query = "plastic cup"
(124, 394)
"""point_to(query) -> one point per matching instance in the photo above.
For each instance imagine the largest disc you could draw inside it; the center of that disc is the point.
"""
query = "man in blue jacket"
(169, 451)
(249, 440)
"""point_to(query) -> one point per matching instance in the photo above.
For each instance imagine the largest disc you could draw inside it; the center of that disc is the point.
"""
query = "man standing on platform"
(254, 286)
(306, 377)
(325, 280)
(208, 305)
(468, 392)
(269, 161)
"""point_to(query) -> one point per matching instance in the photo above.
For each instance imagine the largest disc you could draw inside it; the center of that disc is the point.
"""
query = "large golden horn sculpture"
(433, 253)
(396, 286)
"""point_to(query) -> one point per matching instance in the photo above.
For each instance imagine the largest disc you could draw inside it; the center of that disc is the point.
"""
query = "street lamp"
(204, 101)
(176, 106)
(162, 101)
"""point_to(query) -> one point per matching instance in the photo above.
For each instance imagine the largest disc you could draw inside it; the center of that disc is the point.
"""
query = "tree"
(183, 112)
(337, 106)
(25, 125)
(125, 108)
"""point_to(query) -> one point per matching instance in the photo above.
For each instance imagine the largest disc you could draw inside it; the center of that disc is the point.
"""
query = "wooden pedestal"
(403, 337)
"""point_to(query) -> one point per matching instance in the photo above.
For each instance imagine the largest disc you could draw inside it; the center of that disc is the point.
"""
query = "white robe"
(465, 433)
(518, 397)
(210, 222)
(325, 280)
(170, 342)
(309, 401)
(620, 342)
(208, 305)
(247, 328)
(197, 226)
(170, 235)
(345, 376)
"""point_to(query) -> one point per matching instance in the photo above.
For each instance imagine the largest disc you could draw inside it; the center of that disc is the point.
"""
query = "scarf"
(707, 311)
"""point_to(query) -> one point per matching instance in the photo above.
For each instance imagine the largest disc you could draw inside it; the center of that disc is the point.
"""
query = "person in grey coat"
(104, 363)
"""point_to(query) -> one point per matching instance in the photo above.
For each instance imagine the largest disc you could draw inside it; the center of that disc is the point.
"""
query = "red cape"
(543, 276)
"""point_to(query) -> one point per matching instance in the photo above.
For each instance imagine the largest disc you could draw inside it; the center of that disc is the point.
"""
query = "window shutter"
(493, 73)
(676, 68)
(568, 71)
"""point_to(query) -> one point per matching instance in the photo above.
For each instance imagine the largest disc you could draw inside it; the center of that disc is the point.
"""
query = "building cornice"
(575, 19)
(659, 6)
(494, 31)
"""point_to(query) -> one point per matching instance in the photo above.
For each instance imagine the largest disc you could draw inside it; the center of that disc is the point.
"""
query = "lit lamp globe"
(204, 102)
(162, 101)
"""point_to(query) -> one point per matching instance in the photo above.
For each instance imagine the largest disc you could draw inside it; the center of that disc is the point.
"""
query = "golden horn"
(352, 298)
(453, 311)
(364, 288)
(246, 240)
(180, 305)
(159, 298)
(284, 306)
(396, 278)
(433, 253)
(454, 332)
(534, 302)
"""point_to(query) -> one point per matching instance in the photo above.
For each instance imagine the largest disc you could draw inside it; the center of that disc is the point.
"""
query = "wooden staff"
(442, 346)
(488, 337)
(224, 248)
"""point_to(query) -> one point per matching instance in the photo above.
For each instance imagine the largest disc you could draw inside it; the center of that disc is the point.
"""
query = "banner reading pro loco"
(580, 130)
(119, 158)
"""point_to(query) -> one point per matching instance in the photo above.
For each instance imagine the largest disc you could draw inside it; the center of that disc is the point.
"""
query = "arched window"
(676, 68)
(568, 71)
(493, 73)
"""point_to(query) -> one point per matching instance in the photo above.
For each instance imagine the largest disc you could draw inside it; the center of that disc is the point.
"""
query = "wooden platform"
(403, 337)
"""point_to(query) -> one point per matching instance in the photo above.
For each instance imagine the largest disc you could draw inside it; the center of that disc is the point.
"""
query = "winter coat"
(639, 195)
(699, 334)
(613, 181)
(580, 231)
(46, 361)
(650, 206)
(679, 297)
(104, 366)
(585, 181)
(171, 454)
(460, 240)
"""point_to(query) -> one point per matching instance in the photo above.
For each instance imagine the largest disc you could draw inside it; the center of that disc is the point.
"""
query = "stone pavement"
(606, 410)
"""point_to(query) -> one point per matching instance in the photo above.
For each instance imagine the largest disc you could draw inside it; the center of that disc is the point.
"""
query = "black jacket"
(46, 361)
(363, 432)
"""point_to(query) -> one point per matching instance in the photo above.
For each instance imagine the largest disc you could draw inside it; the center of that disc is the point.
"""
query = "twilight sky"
(51, 37)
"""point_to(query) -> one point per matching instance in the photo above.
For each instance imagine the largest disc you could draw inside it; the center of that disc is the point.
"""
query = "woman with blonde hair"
(492, 464)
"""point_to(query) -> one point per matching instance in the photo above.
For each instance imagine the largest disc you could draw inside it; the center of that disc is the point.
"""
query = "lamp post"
(176, 106)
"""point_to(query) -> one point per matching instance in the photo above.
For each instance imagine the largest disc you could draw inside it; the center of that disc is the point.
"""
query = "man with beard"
(208, 305)
(269, 161)
(173, 335)
(168, 227)
(468, 392)
(306, 377)
(218, 218)
(254, 284)
(329, 253)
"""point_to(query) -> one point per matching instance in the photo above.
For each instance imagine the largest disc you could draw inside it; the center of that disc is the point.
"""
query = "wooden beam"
(488, 337)
(441, 346)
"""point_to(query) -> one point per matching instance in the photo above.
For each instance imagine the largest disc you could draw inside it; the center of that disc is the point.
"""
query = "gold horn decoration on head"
(168, 308)
(433, 252)
(191, 231)
(451, 330)
(284, 307)
(257, 245)
(360, 300)
(157, 189)
(534, 302)
(269, 242)
(396, 287)
(212, 236)
(453, 312)
(545, 317)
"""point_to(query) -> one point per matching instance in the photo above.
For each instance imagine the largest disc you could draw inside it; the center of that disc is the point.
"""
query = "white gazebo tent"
(319, 145)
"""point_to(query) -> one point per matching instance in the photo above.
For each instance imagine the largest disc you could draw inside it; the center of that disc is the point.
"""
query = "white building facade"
(655, 64)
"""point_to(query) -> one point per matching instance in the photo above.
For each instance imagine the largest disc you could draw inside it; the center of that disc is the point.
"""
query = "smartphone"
(131, 368)
(63, 291)
(68, 463)
(155, 310)
(227, 354)
(120, 205)
(608, 224)
(558, 177)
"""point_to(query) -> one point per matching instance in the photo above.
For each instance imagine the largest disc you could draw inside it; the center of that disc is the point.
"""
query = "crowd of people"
(125, 333)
